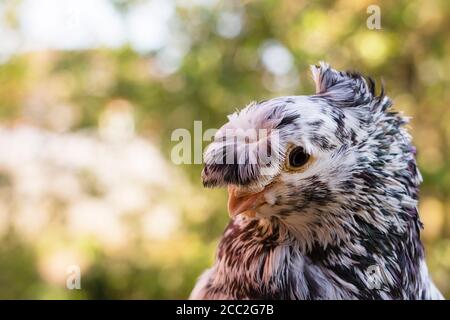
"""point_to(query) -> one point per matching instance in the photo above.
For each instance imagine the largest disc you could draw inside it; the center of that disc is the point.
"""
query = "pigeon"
(322, 198)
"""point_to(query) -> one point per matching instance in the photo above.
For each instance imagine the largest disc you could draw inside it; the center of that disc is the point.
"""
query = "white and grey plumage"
(313, 227)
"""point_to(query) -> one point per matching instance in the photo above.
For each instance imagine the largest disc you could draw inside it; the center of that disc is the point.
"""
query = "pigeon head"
(320, 164)
(323, 198)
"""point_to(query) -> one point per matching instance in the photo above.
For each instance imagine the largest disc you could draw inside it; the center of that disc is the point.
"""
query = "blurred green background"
(90, 92)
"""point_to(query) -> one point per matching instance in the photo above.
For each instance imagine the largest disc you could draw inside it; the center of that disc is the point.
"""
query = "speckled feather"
(354, 207)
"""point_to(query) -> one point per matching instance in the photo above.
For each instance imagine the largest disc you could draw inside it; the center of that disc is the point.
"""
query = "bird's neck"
(254, 257)
(265, 260)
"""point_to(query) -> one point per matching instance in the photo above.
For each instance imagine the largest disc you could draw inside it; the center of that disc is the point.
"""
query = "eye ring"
(297, 158)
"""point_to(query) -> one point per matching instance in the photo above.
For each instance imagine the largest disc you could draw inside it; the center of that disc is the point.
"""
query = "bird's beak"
(244, 203)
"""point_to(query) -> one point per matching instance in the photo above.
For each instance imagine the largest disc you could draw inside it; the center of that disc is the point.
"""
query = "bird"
(322, 197)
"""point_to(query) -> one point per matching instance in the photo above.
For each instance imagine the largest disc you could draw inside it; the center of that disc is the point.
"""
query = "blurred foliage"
(73, 93)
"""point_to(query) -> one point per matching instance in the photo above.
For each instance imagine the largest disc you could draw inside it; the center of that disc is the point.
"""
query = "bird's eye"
(297, 158)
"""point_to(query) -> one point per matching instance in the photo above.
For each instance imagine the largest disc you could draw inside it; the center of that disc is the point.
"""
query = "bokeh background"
(91, 90)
